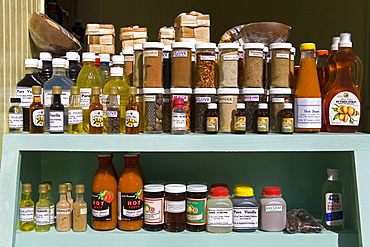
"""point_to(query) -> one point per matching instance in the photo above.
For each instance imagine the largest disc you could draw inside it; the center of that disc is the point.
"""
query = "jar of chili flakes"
(205, 64)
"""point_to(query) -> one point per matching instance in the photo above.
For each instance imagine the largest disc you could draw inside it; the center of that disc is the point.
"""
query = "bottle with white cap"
(74, 65)
(104, 68)
(47, 69)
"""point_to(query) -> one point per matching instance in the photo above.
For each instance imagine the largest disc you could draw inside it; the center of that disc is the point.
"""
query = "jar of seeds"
(252, 97)
(278, 96)
(203, 96)
(205, 64)
(280, 64)
(153, 105)
(228, 64)
(253, 64)
(185, 94)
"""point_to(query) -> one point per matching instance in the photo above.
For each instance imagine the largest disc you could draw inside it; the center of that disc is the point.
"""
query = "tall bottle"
(113, 112)
(87, 78)
(104, 68)
(75, 119)
(104, 196)
(342, 104)
(24, 88)
(42, 210)
(56, 113)
(47, 68)
(80, 210)
(130, 196)
(36, 114)
(74, 65)
(95, 112)
(63, 209)
(307, 97)
(132, 112)
(332, 201)
(26, 209)
(51, 203)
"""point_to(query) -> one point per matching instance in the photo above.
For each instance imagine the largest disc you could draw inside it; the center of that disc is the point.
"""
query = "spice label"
(178, 121)
(150, 53)
(251, 98)
(130, 206)
(175, 206)
(282, 55)
(184, 97)
(203, 100)
(26, 214)
(15, 120)
(255, 53)
(25, 94)
(38, 117)
(195, 211)
(240, 123)
(56, 121)
(287, 125)
(277, 100)
(129, 58)
(241, 55)
(245, 217)
(139, 99)
(230, 58)
(333, 209)
(220, 217)
(42, 216)
(212, 124)
(102, 205)
(307, 112)
(225, 100)
(278, 208)
(180, 54)
(48, 96)
(149, 98)
(153, 211)
(262, 124)
(63, 211)
(165, 55)
(85, 97)
(132, 118)
(207, 58)
(74, 116)
(96, 118)
(345, 109)
(112, 113)
(51, 212)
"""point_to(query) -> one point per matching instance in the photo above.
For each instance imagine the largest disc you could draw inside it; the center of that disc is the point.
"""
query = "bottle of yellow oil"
(75, 119)
(26, 210)
(42, 210)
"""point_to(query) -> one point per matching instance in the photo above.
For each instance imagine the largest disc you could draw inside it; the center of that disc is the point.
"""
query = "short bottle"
(212, 119)
(132, 112)
(37, 116)
(75, 117)
(63, 210)
(287, 124)
(240, 119)
(96, 115)
(153, 207)
(178, 126)
(26, 210)
(56, 112)
(273, 210)
(79, 210)
(69, 195)
(113, 112)
(15, 116)
(51, 202)
(196, 207)
(263, 119)
(245, 210)
(42, 210)
(175, 207)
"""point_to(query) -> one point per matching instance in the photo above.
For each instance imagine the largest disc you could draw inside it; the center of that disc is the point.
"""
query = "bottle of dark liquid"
(56, 113)
(47, 68)
(240, 119)
(263, 119)
(322, 67)
(74, 65)
(36, 112)
(175, 207)
(154, 206)
(212, 119)
(132, 112)
(95, 112)
(113, 112)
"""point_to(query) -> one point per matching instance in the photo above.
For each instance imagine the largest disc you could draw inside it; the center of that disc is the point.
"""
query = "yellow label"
(212, 124)
(262, 124)
(287, 125)
(240, 123)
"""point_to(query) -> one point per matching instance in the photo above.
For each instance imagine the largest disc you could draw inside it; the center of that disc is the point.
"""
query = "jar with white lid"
(278, 96)
(154, 202)
(203, 96)
(227, 100)
(153, 105)
(181, 69)
(137, 77)
(228, 64)
(253, 65)
(252, 97)
(280, 65)
(175, 207)
(167, 66)
(196, 207)
(152, 64)
(185, 94)
(205, 64)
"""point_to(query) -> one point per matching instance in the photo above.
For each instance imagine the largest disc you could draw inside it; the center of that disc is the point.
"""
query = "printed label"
(225, 100)
(277, 100)
(139, 99)
(287, 125)
(112, 113)
(307, 112)
(150, 53)
(63, 211)
(255, 53)
(278, 208)
(345, 109)
(195, 211)
(184, 97)
(251, 98)
(15, 120)
(212, 124)
(292, 57)
(96, 118)
(102, 205)
(230, 57)
(334, 209)
(262, 124)
(245, 217)
(85, 97)
(166, 100)
(207, 58)
(165, 55)
(75, 116)
(64, 97)
(149, 98)
(180, 53)
(38, 117)
(203, 100)
(282, 55)
(132, 118)
(240, 123)
(42, 216)
(220, 217)
(178, 121)
(129, 58)
(25, 94)
(56, 121)
(175, 206)
(153, 211)
(26, 214)
(52, 218)
(83, 210)
(130, 206)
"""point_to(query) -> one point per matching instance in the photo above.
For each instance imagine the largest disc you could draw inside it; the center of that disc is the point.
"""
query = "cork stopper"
(75, 90)
(26, 188)
(132, 90)
(113, 90)
(62, 189)
(69, 186)
(95, 90)
(57, 90)
(80, 188)
(43, 188)
(36, 90)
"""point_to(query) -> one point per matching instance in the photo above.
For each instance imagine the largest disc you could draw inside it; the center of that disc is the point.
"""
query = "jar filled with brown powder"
(79, 210)
(253, 65)
(181, 64)
(227, 99)
(280, 64)
(152, 64)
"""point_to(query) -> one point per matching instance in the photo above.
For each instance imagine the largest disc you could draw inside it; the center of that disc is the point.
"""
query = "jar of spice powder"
(205, 64)
(166, 67)
(203, 96)
(152, 64)
(153, 105)
(252, 97)
(185, 94)
(278, 96)
(181, 75)
(280, 64)
(253, 64)
(138, 66)
(228, 64)
(227, 99)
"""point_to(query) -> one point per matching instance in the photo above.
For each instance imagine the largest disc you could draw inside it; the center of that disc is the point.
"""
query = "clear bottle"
(132, 113)
(273, 210)
(74, 65)
(263, 119)
(245, 209)
(47, 68)
(332, 66)
(26, 209)
(287, 121)
(42, 210)
(212, 119)
(51, 202)
(63, 210)
(175, 207)
(178, 126)
(36, 113)
(79, 210)
(15, 114)
(113, 112)
(104, 68)
(240, 119)
(75, 119)
(332, 201)
(96, 115)
(56, 113)
(69, 195)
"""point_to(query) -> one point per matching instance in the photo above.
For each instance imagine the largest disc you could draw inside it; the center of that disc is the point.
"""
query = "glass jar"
(167, 67)
(129, 64)
(154, 207)
(280, 65)
(185, 94)
(240, 66)
(252, 97)
(166, 111)
(181, 75)
(278, 96)
(152, 64)
(138, 66)
(175, 207)
(227, 99)
(228, 64)
(153, 104)
(273, 210)
(139, 101)
(196, 207)
(205, 64)
(203, 96)
(253, 65)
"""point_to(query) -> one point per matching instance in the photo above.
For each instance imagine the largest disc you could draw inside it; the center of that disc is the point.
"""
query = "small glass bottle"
(42, 210)
(56, 113)
(287, 124)
(75, 118)
(196, 207)
(15, 116)
(26, 210)
(69, 195)
(212, 119)
(132, 112)
(96, 115)
(178, 126)
(153, 207)
(113, 112)
(79, 210)
(47, 68)
(104, 68)
(63, 210)
(245, 209)
(273, 210)
(263, 119)
(37, 116)
(74, 65)
(175, 207)
(51, 202)
(240, 119)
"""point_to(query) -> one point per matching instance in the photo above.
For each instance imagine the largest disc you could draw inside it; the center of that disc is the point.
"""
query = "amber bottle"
(132, 112)
(37, 116)
(95, 112)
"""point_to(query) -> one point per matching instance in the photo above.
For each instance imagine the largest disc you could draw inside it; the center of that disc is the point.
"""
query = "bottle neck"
(42, 196)
(105, 162)
(69, 195)
(132, 98)
(308, 54)
(63, 197)
(26, 196)
(59, 71)
(75, 100)
(56, 99)
(89, 63)
(131, 162)
(36, 98)
(95, 99)
(79, 197)
(113, 99)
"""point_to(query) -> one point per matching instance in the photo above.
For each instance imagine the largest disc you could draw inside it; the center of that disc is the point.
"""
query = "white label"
(282, 55)
(230, 57)
(56, 121)
(83, 210)
(207, 58)
(64, 97)
(255, 53)
(175, 206)
(184, 97)
(100, 213)
(96, 118)
(132, 213)
(38, 117)
(166, 100)
(153, 211)
(85, 97)
(166, 55)
(203, 100)
(251, 98)
(149, 98)
(278, 208)
(112, 113)
(150, 53)
(63, 211)
(307, 112)
(277, 100)
(75, 116)
(132, 118)
(25, 94)
(333, 209)
(345, 109)
(225, 100)
(26, 214)
(51, 220)
(178, 121)
(15, 120)
(42, 216)
(129, 58)
(220, 217)
(180, 53)
(245, 217)
(292, 57)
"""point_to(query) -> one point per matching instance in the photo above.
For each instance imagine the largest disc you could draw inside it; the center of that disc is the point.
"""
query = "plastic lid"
(56, 90)
(345, 40)
(15, 100)
(265, 49)
(322, 52)
(26, 188)
(184, 45)
(280, 90)
(212, 106)
(181, 90)
(88, 57)
(36, 89)
(219, 191)
(178, 102)
(95, 90)
(59, 63)
(129, 51)
(334, 44)
(241, 185)
(262, 106)
(62, 188)
(43, 188)
(253, 46)
(72, 55)
(31, 63)
(69, 186)
(167, 48)
(118, 59)
(154, 188)
(153, 45)
(293, 50)
(104, 58)
(219, 185)
(75, 90)
(45, 56)
(80, 188)
(244, 191)
(205, 46)
(271, 191)
(39, 64)
(240, 106)
(204, 91)
(308, 46)
(132, 90)
(196, 188)
(116, 71)
(66, 64)
(253, 90)
(280, 46)
(113, 90)
(228, 90)
(175, 188)
(333, 174)
(228, 46)
(138, 47)
(140, 91)
(288, 106)
(153, 90)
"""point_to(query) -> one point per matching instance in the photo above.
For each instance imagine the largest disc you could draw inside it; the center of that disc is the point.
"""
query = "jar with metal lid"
(240, 66)
(138, 66)
(227, 99)
(181, 74)
(253, 64)
(154, 207)
(280, 65)
(166, 66)
(196, 207)
(203, 96)
(166, 111)
(153, 105)
(175, 207)
(152, 64)
(185, 94)
(139, 101)
(129, 64)
(278, 96)
(205, 64)
(228, 64)
(252, 97)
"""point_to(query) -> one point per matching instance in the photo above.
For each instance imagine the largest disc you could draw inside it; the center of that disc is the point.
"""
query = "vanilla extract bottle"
(56, 113)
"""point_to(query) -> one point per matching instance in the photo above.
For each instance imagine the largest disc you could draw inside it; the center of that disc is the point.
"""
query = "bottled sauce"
(104, 68)
(95, 112)
(47, 68)
(212, 119)
(15, 114)
(63, 209)
(178, 126)
(175, 207)
(75, 118)
(153, 207)
(332, 201)
(79, 210)
(130, 196)
(36, 113)
(287, 124)
(26, 209)
(263, 119)
(56, 113)
(104, 196)
(74, 65)
(240, 119)
(51, 203)
(132, 112)
(322, 67)
(307, 97)
(273, 210)
(42, 210)
(245, 210)
(113, 112)
(196, 207)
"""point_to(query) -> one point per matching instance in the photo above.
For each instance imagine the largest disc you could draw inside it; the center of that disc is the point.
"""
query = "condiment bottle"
(332, 67)
(307, 96)
(273, 210)
(245, 209)
(196, 207)
(219, 211)
(178, 126)
(263, 119)
(287, 121)
(26, 210)
(79, 210)
(36, 112)
(175, 207)
(75, 117)
(181, 66)
(253, 65)
(152, 64)
(15, 114)
(212, 119)
(130, 196)
(113, 112)
(240, 119)
(205, 64)
(63, 210)
(56, 113)
(96, 115)
(322, 67)
(153, 207)
(280, 64)
(51, 203)
(228, 64)
(132, 112)
(42, 210)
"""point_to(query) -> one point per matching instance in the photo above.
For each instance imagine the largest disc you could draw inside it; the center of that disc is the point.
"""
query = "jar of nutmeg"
(153, 106)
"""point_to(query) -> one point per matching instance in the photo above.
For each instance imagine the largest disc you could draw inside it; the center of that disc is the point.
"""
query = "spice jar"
(228, 97)
(203, 96)
(152, 64)
(252, 97)
(166, 111)
(205, 64)
(196, 207)
(166, 67)
(280, 64)
(253, 64)
(153, 104)
(278, 96)
(129, 63)
(154, 207)
(183, 93)
(181, 75)
(138, 66)
(175, 207)
(228, 64)
(273, 210)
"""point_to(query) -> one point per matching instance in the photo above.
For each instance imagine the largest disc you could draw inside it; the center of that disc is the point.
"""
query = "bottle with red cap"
(273, 210)
(178, 117)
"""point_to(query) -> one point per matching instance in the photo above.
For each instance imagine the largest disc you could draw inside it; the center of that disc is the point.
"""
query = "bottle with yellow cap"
(37, 116)
(56, 112)
(75, 118)
(307, 96)
(26, 209)
(245, 209)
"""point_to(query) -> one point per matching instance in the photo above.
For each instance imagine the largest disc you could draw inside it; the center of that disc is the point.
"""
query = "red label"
(102, 205)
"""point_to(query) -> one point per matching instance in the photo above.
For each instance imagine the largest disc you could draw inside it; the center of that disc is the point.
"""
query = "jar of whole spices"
(153, 105)
(203, 96)
(228, 97)
(252, 97)
(152, 64)
(212, 119)
(129, 64)
(278, 96)
(253, 64)
(181, 75)
(196, 207)
(138, 66)
(205, 64)
(166, 111)
(154, 207)
(166, 66)
(228, 64)
(185, 94)
(175, 207)
(280, 64)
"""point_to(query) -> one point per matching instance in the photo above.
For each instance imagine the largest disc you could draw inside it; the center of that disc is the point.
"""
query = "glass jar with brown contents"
(153, 106)
(252, 97)
(253, 64)
(280, 64)
(181, 75)
(154, 207)
(152, 64)
(196, 207)
(228, 64)
(203, 96)
(205, 64)
(175, 207)
(228, 97)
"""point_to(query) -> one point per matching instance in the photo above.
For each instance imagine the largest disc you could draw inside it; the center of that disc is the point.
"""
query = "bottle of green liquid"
(51, 203)
(42, 210)
(26, 210)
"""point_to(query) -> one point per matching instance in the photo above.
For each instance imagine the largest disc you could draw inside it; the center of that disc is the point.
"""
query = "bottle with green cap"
(26, 209)
(42, 210)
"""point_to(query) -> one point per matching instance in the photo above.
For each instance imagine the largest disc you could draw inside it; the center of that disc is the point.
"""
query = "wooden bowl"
(265, 32)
